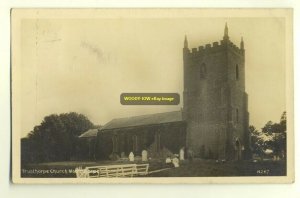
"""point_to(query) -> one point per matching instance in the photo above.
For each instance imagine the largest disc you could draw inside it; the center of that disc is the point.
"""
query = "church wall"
(174, 137)
(135, 139)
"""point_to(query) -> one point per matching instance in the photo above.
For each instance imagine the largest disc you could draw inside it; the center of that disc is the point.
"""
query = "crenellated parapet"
(214, 47)
(224, 44)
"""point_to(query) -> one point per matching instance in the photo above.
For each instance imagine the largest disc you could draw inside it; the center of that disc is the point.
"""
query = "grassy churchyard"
(209, 168)
(158, 168)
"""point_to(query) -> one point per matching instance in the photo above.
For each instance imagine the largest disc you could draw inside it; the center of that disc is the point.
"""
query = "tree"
(55, 139)
(283, 123)
(275, 137)
(257, 142)
(278, 143)
(271, 128)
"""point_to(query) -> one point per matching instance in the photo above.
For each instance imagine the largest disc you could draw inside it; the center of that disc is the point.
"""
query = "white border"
(9, 190)
(19, 14)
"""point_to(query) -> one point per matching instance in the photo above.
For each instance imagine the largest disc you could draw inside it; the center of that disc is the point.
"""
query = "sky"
(83, 65)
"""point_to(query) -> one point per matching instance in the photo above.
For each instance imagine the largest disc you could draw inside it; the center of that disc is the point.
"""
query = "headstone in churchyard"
(123, 155)
(181, 154)
(168, 160)
(175, 162)
(131, 157)
(144, 156)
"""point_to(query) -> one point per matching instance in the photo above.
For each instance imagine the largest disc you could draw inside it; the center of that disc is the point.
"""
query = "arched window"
(202, 70)
(237, 72)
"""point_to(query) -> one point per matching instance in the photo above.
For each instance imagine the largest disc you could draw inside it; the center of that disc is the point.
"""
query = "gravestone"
(175, 162)
(123, 155)
(168, 160)
(131, 157)
(181, 154)
(144, 156)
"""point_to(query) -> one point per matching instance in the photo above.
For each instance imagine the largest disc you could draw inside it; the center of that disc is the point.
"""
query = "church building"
(214, 121)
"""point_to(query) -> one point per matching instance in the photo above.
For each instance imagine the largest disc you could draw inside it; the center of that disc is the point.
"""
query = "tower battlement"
(224, 44)
(214, 47)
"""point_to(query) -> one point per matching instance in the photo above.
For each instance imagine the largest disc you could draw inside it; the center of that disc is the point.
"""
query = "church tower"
(215, 102)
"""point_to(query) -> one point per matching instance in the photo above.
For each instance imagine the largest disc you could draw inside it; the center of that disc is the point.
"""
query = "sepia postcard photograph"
(152, 96)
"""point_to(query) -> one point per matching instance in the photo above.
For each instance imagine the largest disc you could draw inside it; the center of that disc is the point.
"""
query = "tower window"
(237, 72)
(237, 115)
(203, 70)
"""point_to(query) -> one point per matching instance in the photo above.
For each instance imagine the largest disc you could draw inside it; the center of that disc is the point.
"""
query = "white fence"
(122, 170)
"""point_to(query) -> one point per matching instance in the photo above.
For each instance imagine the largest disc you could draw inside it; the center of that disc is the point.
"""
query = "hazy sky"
(83, 65)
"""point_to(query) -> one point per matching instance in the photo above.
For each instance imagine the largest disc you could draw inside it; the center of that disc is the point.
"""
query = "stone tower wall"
(215, 102)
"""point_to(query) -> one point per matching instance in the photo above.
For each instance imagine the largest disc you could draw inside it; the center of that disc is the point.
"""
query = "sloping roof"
(89, 133)
(150, 119)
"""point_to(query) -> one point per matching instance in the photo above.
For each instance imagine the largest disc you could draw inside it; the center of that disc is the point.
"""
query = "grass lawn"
(209, 168)
(195, 168)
